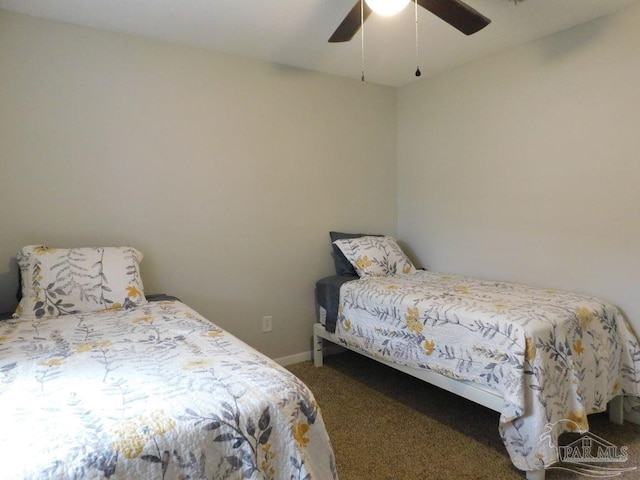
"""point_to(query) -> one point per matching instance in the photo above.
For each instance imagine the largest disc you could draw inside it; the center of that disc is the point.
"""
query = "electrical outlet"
(266, 323)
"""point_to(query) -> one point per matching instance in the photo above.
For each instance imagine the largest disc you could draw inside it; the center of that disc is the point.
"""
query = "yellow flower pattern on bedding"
(617, 388)
(135, 433)
(429, 346)
(147, 319)
(585, 316)
(88, 347)
(58, 282)
(363, 262)
(41, 250)
(578, 347)
(197, 364)
(530, 349)
(413, 322)
(551, 355)
(153, 392)
(577, 422)
(213, 333)
(132, 291)
(375, 255)
(52, 362)
(299, 432)
(267, 458)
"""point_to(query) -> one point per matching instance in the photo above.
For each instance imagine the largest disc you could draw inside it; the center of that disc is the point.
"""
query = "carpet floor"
(386, 425)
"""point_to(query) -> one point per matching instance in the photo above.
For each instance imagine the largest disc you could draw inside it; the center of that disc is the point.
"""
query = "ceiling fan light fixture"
(387, 8)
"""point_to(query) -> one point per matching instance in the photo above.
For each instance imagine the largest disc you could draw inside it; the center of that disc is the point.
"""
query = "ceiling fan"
(454, 12)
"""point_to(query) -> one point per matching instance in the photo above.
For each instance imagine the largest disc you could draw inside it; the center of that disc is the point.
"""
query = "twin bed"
(544, 359)
(98, 382)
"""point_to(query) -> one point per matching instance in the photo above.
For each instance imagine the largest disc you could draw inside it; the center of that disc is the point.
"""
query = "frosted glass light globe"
(387, 7)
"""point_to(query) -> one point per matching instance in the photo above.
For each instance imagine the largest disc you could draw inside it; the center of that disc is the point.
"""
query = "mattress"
(554, 356)
(328, 299)
(153, 392)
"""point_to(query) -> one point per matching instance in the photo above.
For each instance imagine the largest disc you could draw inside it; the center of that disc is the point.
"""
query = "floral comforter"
(157, 392)
(554, 356)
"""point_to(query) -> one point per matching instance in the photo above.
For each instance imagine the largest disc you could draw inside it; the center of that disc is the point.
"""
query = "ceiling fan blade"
(350, 25)
(457, 14)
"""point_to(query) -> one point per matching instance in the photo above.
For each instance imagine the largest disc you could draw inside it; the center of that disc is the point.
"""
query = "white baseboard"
(307, 356)
(292, 359)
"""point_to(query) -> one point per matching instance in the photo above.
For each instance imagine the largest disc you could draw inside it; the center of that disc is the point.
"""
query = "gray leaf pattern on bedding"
(552, 355)
(154, 392)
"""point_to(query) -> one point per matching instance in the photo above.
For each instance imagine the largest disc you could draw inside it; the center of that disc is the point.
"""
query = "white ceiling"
(295, 32)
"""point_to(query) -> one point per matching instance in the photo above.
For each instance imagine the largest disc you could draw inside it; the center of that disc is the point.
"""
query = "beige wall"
(525, 166)
(227, 173)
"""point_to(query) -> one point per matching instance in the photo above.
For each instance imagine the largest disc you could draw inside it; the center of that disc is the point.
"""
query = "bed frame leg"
(616, 410)
(317, 350)
(536, 475)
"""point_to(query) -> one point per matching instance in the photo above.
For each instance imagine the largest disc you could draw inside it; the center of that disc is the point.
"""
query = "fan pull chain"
(418, 72)
(362, 36)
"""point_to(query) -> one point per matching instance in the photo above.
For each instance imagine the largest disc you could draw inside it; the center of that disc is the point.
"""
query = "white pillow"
(59, 281)
(375, 256)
